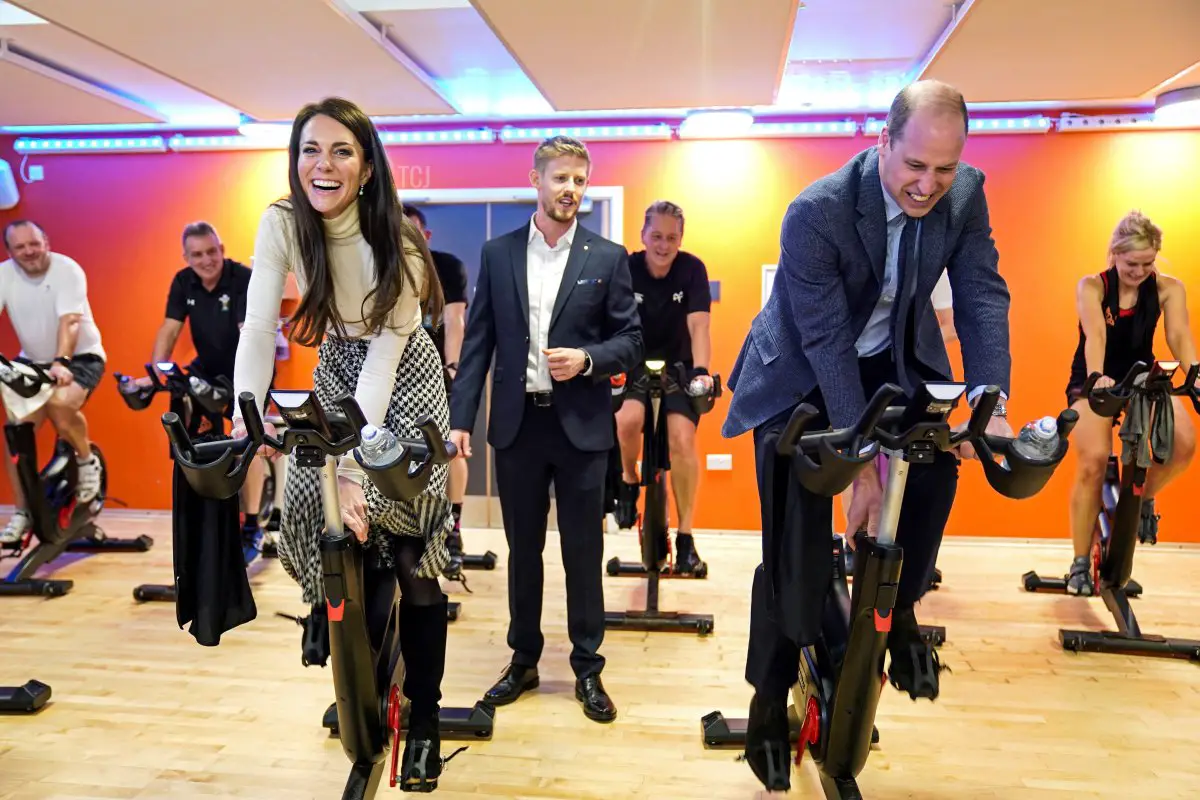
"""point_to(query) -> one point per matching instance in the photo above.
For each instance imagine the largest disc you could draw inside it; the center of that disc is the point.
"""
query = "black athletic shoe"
(1148, 531)
(455, 547)
(915, 665)
(627, 499)
(687, 560)
(768, 748)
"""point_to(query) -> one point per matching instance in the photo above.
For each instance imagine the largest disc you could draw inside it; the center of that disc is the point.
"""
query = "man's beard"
(559, 214)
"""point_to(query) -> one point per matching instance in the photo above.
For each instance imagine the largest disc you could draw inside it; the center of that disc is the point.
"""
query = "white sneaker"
(17, 526)
(89, 480)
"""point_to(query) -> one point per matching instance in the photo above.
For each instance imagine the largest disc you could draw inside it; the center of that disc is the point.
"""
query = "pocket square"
(589, 281)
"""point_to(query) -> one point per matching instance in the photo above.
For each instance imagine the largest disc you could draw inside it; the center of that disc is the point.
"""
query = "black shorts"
(87, 369)
(676, 402)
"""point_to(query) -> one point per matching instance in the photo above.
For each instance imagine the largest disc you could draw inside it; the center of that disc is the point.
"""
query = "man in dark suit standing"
(554, 303)
(861, 250)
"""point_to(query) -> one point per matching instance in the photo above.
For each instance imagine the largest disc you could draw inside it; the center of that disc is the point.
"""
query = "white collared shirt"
(876, 337)
(544, 266)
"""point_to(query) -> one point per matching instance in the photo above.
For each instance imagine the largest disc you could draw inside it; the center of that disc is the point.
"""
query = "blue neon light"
(145, 144)
(659, 131)
(439, 137)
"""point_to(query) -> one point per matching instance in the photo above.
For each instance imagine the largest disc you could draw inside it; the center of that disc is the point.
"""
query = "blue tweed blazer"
(833, 249)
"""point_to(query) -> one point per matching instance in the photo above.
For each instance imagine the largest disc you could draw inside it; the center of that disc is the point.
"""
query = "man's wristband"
(699, 371)
(66, 362)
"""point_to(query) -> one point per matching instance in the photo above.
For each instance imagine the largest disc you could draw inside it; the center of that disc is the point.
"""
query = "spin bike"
(367, 681)
(1115, 534)
(841, 675)
(202, 405)
(59, 522)
(652, 523)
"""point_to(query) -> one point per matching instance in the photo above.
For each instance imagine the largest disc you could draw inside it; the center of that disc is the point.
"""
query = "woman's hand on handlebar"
(354, 507)
(1104, 382)
(866, 504)
(239, 432)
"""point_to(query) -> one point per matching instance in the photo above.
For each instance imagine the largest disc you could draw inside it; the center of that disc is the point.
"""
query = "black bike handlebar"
(217, 469)
(179, 384)
(23, 383)
(922, 420)
(1108, 401)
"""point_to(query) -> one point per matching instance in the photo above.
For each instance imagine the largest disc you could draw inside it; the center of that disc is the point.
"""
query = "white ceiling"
(208, 64)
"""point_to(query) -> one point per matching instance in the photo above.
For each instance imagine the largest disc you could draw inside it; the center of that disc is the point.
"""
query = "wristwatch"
(587, 362)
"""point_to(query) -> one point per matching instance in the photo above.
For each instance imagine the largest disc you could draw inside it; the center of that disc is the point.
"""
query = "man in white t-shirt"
(45, 295)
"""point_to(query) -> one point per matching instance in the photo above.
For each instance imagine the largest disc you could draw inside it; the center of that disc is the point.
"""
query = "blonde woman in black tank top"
(1119, 310)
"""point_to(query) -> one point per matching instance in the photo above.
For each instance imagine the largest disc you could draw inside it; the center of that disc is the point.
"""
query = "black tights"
(422, 624)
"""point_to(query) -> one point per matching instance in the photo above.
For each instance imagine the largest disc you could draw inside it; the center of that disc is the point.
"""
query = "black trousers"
(540, 454)
(773, 659)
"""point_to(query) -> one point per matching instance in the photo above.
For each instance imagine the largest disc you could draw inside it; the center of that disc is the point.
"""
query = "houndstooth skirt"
(420, 390)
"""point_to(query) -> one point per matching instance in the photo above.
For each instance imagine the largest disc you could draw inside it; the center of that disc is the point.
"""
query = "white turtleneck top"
(277, 252)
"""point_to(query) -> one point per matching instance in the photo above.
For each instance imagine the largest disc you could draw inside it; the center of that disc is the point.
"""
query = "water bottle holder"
(400, 479)
(1022, 476)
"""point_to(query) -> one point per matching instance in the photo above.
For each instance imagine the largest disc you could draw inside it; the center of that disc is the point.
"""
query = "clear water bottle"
(697, 387)
(379, 446)
(1038, 440)
(126, 385)
(199, 387)
(7, 373)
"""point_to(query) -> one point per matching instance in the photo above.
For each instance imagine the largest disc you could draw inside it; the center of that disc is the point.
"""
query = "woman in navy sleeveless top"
(1119, 310)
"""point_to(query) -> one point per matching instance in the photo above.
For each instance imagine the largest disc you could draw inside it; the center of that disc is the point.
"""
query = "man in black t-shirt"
(672, 292)
(449, 338)
(210, 294)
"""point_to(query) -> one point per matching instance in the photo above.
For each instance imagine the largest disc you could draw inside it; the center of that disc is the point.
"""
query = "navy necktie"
(906, 279)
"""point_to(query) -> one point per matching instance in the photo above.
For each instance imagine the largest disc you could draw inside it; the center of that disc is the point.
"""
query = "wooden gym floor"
(140, 710)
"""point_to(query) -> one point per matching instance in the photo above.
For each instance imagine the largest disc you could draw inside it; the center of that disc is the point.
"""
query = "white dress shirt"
(877, 335)
(544, 266)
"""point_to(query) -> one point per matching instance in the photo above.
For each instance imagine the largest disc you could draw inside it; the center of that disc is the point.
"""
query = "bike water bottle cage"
(217, 469)
(398, 482)
(1019, 476)
(19, 379)
(840, 454)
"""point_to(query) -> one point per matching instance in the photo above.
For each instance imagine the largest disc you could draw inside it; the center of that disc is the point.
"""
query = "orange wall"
(1054, 200)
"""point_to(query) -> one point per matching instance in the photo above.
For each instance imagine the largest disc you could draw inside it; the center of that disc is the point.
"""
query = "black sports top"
(1130, 336)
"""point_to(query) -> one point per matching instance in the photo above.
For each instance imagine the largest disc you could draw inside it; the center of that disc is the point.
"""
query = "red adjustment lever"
(393, 723)
(810, 729)
(336, 612)
(883, 623)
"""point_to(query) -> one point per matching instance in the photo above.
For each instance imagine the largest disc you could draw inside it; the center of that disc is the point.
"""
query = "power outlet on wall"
(720, 461)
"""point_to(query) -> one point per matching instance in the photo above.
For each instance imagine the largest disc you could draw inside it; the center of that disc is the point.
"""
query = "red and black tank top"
(1130, 334)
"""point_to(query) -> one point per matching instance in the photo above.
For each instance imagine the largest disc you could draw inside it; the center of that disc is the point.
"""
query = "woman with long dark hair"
(366, 279)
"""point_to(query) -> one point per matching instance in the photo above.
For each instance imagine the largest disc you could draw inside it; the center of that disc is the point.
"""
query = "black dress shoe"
(596, 703)
(515, 680)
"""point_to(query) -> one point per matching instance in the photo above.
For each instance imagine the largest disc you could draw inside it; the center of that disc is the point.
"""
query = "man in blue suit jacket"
(861, 252)
(554, 304)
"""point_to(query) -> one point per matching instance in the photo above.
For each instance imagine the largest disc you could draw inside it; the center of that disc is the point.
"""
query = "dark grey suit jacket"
(833, 249)
(595, 310)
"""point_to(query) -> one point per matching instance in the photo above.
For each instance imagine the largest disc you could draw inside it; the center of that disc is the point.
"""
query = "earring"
(360, 189)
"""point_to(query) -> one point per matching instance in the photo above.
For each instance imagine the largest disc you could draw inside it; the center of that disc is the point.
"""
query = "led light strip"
(1109, 122)
(141, 144)
(588, 132)
(984, 125)
(815, 129)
